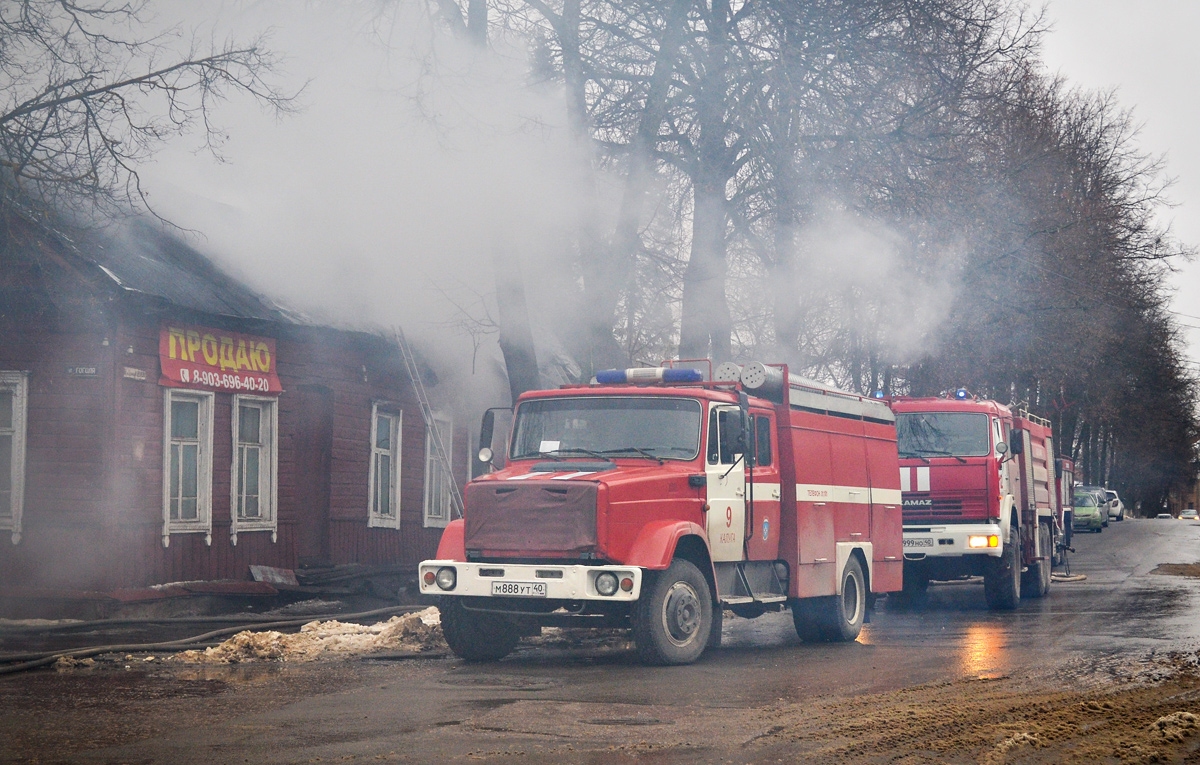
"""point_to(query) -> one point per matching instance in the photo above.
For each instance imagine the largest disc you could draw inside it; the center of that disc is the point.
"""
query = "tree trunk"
(605, 279)
(705, 325)
(516, 336)
(595, 346)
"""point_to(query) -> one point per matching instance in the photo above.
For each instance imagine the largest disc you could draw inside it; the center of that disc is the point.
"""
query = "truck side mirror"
(746, 425)
(486, 427)
(1016, 444)
(734, 436)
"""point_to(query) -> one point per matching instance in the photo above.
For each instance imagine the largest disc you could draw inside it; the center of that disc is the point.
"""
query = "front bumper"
(951, 541)
(1087, 521)
(573, 582)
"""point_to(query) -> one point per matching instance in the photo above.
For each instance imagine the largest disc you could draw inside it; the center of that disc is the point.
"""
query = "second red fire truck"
(980, 494)
(655, 499)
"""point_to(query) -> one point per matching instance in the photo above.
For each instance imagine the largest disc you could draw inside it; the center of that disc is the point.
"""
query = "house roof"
(141, 258)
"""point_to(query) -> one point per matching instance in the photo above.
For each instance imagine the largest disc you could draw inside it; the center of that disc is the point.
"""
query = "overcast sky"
(1147, 50)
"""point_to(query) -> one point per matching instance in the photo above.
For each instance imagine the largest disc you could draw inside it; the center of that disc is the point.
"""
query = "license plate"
(927, 542)
(519, 589)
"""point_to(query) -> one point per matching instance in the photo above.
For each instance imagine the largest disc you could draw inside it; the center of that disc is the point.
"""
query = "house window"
(384, 509)
(187, 463)
(255, 456)
(14, 397)
(437, 476)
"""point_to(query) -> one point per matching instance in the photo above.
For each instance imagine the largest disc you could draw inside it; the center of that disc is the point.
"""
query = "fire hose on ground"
(40, 659)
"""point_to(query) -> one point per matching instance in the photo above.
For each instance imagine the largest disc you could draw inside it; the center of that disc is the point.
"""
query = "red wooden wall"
(93, 497)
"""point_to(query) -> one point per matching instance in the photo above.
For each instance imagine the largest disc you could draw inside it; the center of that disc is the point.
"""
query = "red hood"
(568, 512)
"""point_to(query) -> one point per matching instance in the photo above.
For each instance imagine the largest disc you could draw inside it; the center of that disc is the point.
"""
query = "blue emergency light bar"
(648, 374)
(961, 394)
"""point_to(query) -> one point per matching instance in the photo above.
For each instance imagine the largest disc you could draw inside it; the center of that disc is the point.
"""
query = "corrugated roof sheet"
(138, 257)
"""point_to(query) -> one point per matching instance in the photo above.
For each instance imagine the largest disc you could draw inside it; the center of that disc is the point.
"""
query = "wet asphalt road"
(583, 700)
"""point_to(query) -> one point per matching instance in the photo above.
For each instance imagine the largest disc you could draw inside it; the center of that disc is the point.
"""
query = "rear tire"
(1035, 582)
(474, 635)
(1002, 580)
(673, 619)
(836, 618)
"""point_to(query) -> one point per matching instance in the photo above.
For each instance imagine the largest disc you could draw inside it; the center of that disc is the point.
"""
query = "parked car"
(1165, 517)
(1116, 508)
(1099, 494)
(1087, 513)
(1189, 515)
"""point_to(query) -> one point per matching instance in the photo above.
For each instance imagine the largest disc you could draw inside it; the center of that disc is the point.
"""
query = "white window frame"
(204, 474)
(434, 517)
(268, 480)
(18, 383)
(379, 520)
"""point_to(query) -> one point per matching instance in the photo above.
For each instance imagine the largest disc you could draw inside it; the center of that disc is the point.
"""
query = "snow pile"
(1174, 727)
(420, 631)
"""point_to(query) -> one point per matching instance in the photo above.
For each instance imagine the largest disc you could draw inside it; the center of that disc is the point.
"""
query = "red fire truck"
(657, 498)
(980, 496)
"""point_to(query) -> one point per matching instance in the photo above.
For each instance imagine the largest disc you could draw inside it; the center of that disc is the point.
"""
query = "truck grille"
(921, 508)
(531, 518)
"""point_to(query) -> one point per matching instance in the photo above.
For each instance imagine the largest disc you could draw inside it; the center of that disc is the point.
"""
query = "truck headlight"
(606, 583)
(447, 577)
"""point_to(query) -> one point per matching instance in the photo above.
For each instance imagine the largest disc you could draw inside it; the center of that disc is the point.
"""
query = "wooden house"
(161, 422)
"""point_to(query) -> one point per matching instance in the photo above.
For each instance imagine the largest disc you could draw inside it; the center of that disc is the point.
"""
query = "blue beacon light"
(961, 394)
(648, 374)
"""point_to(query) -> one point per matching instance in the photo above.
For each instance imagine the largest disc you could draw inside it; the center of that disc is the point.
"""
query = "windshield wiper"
(580, 450)
(637, 449)
(527, 455)
(940, 453)
(910, 455)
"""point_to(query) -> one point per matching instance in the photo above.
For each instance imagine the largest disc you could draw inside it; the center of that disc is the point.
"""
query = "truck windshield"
(938, 434)
(617, 426)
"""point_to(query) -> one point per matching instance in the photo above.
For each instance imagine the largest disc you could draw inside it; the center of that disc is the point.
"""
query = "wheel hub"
(681, 613)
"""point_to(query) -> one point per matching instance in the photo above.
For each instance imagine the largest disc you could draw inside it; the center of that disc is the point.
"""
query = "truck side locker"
(886, 514)
(815, 574)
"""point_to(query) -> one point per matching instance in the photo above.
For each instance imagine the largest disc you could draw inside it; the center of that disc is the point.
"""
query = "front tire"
(836, 618)
(476, 636)
(1035, 582)
(673, 618)
(1002, 580)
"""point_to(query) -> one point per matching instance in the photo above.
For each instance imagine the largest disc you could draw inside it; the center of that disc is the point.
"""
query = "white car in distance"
(1116, 508)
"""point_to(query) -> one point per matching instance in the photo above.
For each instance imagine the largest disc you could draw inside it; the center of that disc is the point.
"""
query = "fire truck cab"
(979, 494)
(656, 499)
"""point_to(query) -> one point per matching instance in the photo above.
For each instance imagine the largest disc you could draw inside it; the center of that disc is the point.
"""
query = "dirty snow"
(1174, 727)
(420, 631)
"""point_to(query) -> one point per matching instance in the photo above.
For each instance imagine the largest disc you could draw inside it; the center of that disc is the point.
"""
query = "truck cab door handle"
(739, 492)
(774, 493)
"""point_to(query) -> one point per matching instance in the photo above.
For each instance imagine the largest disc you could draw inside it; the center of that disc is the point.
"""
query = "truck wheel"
(915, 586)
(718, 624)
(474, 635)
(1002, 580)
(1035, 582)
(836, 618)
(673, 618)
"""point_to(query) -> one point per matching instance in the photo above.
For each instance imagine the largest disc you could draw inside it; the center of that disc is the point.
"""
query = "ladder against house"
(439, 447)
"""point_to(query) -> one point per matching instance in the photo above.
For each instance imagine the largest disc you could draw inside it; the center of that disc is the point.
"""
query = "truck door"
(762, 524)
(726, 471)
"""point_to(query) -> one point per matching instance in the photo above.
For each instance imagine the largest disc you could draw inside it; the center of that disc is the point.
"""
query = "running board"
(756, 581)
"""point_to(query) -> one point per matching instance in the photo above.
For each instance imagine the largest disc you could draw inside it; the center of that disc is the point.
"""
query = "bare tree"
(86, 97)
